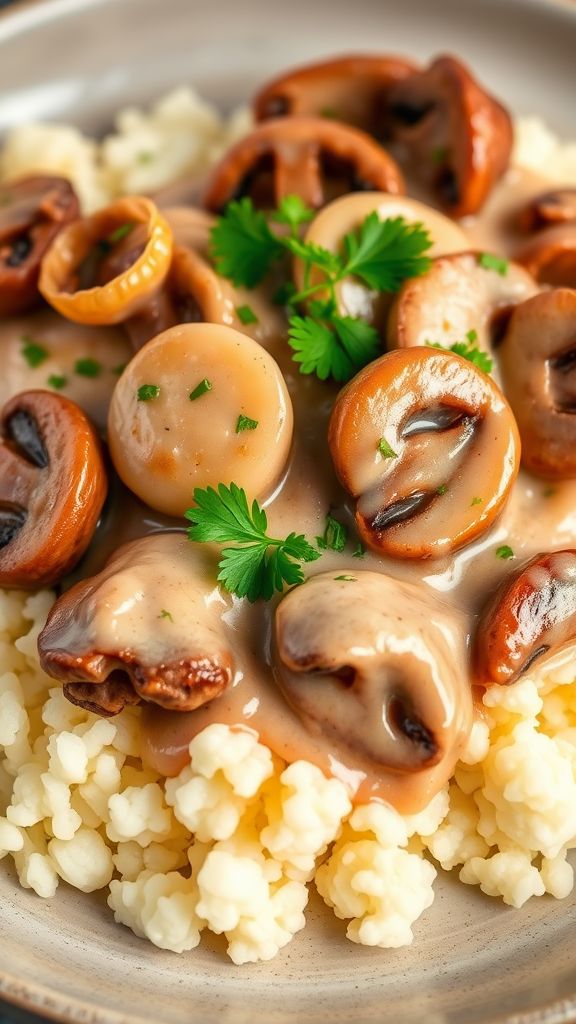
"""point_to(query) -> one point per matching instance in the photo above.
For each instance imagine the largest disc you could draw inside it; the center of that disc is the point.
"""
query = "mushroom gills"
(19, 251)
(12, 520)
(23, 430)
(564, 380)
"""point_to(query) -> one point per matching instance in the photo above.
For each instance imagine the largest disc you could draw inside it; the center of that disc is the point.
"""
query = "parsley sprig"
(468, 350)
(379, 253)
(262, 564)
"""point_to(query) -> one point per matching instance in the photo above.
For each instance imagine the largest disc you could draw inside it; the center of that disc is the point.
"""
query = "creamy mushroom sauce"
(537, 518)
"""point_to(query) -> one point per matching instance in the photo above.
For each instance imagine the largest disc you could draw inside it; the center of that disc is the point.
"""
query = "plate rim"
(50, 1003)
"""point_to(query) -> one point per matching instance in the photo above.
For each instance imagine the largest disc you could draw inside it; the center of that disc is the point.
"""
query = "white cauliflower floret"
(257, 917)
(65, 821)
(85, 861)
(35, 869)
(28, 804)
(138, 813)
(68, 757)
(11, 838)
(456, 839)
(160, 908)
(532, 787)
(509, 874)
(383, 890)
(304, 816)
(557, 875)
(227, 769)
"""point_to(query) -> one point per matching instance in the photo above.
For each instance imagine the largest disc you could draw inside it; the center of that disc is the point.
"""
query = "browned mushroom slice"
(351, 89)
(416, 437)
(32, 212)
(551, 255)
(148, 627)
(458, 295)
(367, 663)
(52, 487)
(456, 136)
(531, 615)
(538, 366)
(310, 157)
(549, 209)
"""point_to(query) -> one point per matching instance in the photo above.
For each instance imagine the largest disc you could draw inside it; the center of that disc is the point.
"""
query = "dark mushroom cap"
(351, 89)
(537, 358)
(52, 488)
(148, 627)
(532, 614)
(457, 137)
(32, 212)
(313, 158)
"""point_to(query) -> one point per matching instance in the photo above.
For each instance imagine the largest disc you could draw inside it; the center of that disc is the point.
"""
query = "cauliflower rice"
(233, 843)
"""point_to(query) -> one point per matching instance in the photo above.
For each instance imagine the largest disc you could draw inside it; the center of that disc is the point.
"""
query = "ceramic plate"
(473, 961)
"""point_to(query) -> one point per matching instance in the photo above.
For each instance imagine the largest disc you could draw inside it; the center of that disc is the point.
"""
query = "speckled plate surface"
(473, 961)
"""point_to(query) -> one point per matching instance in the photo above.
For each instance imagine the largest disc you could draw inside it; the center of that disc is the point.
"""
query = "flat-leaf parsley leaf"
(263, 564)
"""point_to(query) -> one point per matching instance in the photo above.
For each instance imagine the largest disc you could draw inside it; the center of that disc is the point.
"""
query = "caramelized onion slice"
(364, 661)
(352, 89)
(457, 137)
(538, 366)
(148, 627)
(52, 488)
(427, 445)
(531, 615)
(310, 157)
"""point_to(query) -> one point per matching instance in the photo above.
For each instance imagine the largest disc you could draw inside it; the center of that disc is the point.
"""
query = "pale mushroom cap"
(165, 447)
(455, 296)
(347, 213)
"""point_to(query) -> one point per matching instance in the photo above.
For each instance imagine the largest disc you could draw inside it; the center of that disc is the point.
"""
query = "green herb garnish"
(346, 579)
(245, 423)
(148, 392)
(200, 389)
(263, 564)
(57, 382)
(88, 367)
(165, 615)
(334, 537)
(491, 262)
(359, 551)
(442, 489)
(119, 370)
(119, 234)
(476, 501)
(246, 315)
(33, 353)
(468, 350)
(380, 253)
(505, 552)
(386, 450)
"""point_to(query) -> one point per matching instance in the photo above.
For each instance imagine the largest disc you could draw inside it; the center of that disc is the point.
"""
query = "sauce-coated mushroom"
(148, 627)
(427, 445)
(32, 212)
(352, 89)
(52, 488)
(538, 366)
(198, 405)
(532, 614)
(313, 158)
(456, 296)
(364, 662)
(458, 137)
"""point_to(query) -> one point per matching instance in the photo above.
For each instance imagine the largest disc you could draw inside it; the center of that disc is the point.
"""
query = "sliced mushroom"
(369, 663)
(352, 89)
(32, 212)
(551, 256)
(549, 209)
(456, 296)
(310, 157)
(52, 487)
(531, 615)
(148, 627)
(456, 136)
(346, 214)
(538, 367)
(416, 437)
(199, 374)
